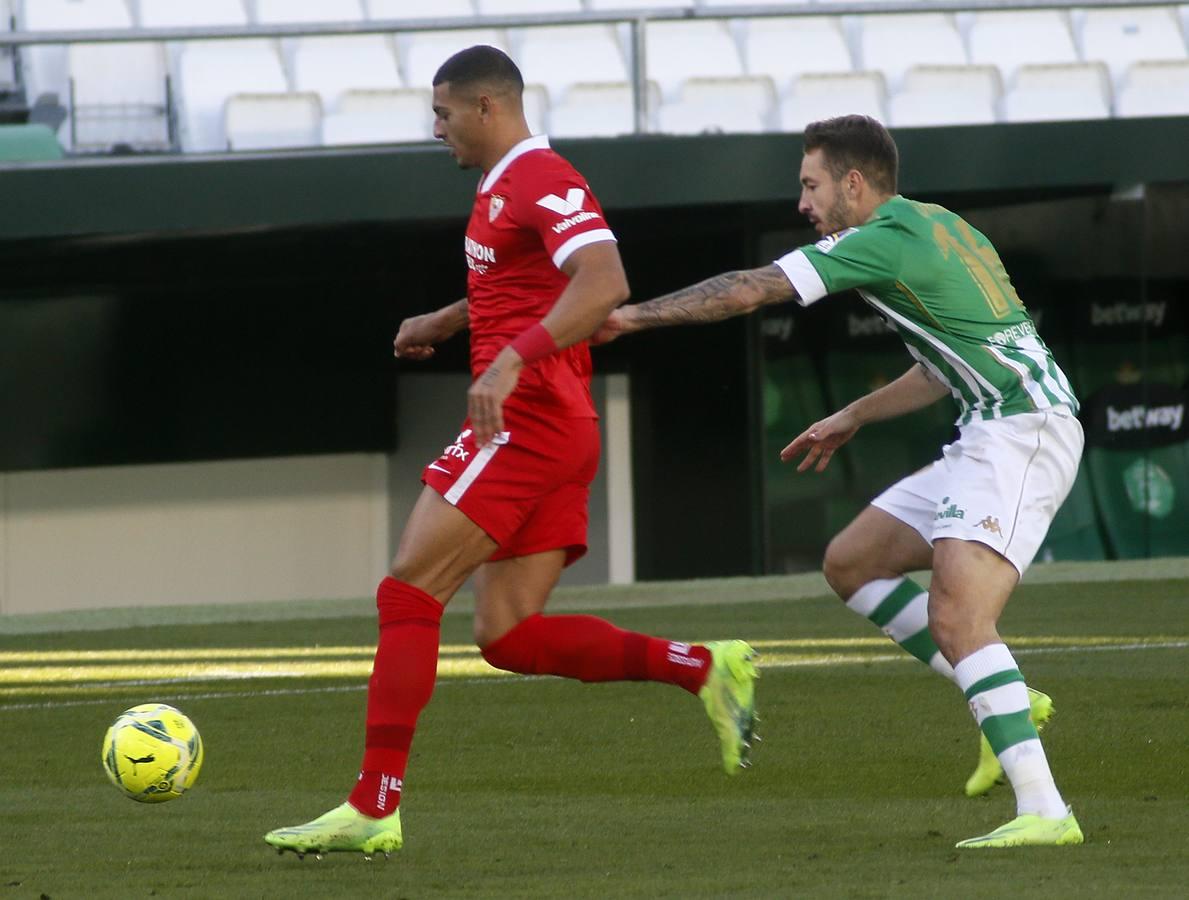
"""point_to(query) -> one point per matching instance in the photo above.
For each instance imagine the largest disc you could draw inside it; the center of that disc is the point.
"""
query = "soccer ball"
(152, 753)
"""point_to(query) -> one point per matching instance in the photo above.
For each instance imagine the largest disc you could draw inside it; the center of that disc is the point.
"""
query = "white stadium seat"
(527, 7)
(1155, 89)
(729, 105)
(677, 51)
(210, 72)
(815, 97)
(536, 108)
(418, 9)
(641, 4)
(331, 65)
(1059, 92)
(599, 110)
(8, 76)
(891, 44)
(272, 121)
(782, 49)
(119, 95)
(546, 56)
(946, 95)
(1120, 37)
(423, 52)
(283, 12)
(1010, 39)
(76, 15)
(172, 14)
(380, 117)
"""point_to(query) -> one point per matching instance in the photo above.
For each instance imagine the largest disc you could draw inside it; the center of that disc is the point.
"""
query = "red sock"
(592, 649)
(400, 687)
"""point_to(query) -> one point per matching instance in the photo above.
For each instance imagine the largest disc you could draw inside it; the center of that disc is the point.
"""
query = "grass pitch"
(546, 788)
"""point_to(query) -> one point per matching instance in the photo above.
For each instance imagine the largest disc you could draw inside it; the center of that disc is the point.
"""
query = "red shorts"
(529, 488)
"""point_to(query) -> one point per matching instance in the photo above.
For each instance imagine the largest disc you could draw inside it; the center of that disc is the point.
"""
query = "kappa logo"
(574, 201)
(991, 524)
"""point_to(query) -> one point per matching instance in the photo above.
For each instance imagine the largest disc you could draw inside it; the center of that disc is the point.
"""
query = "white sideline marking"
(511, 678)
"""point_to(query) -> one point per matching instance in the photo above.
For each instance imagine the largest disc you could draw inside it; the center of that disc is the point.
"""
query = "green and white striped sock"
(998, 698)
(900, 607)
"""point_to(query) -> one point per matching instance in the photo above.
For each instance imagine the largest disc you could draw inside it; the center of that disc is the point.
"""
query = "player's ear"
(485, 105)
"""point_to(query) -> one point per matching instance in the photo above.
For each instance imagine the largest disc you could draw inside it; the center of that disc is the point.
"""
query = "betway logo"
(575, 198)
(1128, 313)
(1139, 416)
(865, 326)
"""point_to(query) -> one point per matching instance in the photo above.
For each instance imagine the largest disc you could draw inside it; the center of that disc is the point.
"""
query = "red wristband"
(535, 343)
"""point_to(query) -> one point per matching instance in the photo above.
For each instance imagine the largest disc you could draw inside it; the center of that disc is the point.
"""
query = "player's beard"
(837, 216)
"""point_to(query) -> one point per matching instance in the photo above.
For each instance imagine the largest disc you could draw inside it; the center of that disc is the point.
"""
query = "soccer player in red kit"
(507, 500)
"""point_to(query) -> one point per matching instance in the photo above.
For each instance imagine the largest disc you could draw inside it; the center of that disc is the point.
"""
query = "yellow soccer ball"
(152, 753)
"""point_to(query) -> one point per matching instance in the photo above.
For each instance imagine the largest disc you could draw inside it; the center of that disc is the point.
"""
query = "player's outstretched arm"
(418, 334)
(721, 297)
(913, 390)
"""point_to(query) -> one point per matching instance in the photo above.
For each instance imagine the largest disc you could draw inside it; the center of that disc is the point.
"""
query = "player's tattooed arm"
(419, 334)
(721, 297)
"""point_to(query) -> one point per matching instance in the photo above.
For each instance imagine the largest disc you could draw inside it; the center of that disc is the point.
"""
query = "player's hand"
(819, 441)
(417, 336)
(485, 399)
(617, 324)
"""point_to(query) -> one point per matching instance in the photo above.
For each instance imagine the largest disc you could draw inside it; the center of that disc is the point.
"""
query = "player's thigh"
(440, 547)
(876, 544)
(507, 591)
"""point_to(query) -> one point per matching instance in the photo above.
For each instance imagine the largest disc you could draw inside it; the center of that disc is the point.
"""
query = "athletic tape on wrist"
(535, 343)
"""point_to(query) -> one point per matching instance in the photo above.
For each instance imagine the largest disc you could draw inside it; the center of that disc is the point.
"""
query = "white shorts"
(1000, 484)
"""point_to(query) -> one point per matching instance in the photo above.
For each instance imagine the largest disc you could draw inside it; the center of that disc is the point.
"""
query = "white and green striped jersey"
(942, 287)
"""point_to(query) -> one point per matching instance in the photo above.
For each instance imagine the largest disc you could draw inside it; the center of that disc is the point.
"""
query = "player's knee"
(839, 566)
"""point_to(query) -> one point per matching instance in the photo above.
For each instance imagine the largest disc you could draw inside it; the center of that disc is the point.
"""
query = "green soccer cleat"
(729, 697)
(344, 828)
(1029, 831)
(989, 772)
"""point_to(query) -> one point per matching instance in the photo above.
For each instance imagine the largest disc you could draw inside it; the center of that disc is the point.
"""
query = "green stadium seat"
(28, 143)
(1138, 459)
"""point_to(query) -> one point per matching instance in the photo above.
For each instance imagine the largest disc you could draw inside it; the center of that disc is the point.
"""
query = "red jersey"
(531, 212)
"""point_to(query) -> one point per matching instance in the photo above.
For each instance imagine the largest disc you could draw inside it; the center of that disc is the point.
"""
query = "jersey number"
(982, 263)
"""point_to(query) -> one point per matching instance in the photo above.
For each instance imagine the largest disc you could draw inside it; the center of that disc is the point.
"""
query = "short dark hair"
(856, 142)
(484, 65)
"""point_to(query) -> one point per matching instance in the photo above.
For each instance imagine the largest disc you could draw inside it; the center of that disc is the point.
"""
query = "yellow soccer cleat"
(989, 772)
(344, 828)
(1029, 831)
(729, 698)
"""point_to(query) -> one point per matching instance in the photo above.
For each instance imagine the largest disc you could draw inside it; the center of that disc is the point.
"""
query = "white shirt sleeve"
(803, 277)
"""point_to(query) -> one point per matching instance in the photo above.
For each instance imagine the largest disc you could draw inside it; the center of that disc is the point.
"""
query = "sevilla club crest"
(497, 207)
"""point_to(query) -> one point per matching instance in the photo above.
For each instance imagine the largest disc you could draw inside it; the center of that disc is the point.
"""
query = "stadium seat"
(118, 96)
(1074, 534)
(1058, 92)
(599, 110)
(892, 43)
(8, 77)
(641, 4)
(285, 12)
(1120, 37)
(536, 108)
(1138, 458)
(782, 49)
(423, 52)
(730, 105)
(814, 97)
(1010, 39)
(677, 51)
(946, 95)
(171, 14)
(546, 56)
(210, 72)
(331, 65)
(1154, 89)
(527, 7)
(380, 117)
(418, 9)
(273, 121)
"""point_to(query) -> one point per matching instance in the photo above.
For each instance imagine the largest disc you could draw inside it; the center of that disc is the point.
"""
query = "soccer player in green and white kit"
(978, 514)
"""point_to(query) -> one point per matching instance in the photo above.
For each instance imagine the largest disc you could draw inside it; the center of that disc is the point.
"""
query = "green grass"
(546, 788)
